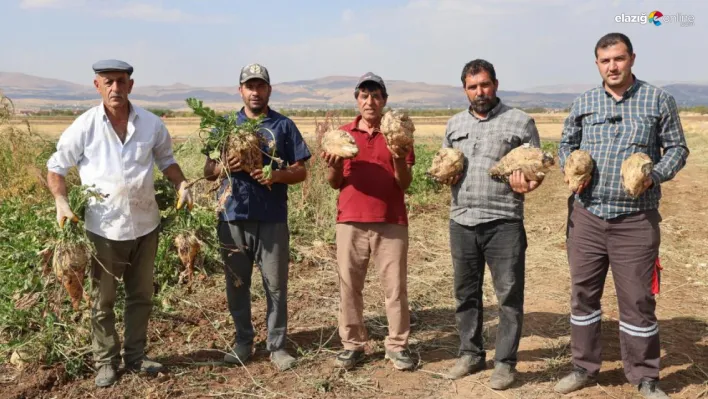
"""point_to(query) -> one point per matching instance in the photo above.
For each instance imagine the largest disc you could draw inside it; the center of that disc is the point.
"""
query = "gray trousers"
(244, 243)
(134, 261)
(630, 245)
(502, 245)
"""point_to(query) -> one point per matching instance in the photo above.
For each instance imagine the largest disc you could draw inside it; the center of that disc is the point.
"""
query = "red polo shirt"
(369, 192)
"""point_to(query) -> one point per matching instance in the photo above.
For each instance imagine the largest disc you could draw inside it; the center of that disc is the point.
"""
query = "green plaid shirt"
(644, 120)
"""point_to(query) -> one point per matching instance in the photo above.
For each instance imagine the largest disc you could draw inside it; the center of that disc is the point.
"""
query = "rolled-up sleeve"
(70, 149)
(164, 157)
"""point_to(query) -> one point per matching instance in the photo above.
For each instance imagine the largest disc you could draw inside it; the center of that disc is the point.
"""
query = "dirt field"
(191, 339)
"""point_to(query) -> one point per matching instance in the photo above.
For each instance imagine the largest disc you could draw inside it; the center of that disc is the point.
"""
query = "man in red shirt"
(372, 222)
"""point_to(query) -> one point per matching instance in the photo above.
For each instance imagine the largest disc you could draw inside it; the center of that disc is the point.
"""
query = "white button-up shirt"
(124, 171)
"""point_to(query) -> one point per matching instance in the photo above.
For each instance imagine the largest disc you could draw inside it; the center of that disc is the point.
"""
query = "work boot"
(145, 365)
(502, 377)
(649, 389)
(466, 364)
(106, 376)
(401, 360)
(282, 359)
(347, 359)
(239, 354)
(577, 379)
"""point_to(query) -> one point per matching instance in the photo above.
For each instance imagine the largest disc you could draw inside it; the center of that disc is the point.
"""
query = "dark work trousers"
(243, 244)
(630, 245)
(502, 245)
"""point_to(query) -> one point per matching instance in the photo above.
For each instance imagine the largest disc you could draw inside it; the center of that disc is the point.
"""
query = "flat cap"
(371, 77)
(254, 71)
(112, 66)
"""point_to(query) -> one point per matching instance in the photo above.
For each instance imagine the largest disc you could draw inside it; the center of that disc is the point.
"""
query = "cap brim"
(254, 77)
(369, 80)
(129, 71)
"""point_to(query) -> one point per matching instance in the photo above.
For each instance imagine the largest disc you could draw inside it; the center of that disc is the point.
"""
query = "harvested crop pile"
(578, 169)
(242, 141)
(70, 263)
(180, 227)
(340, 143)
(72, 249)
(246, 148)
(397, 128)
(634, 171)
(531, 161)
(447, 163)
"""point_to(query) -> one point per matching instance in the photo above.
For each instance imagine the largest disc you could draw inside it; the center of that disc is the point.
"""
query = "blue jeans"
(502, 245)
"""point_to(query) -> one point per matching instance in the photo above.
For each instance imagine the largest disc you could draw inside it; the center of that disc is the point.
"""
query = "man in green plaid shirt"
(606, 226)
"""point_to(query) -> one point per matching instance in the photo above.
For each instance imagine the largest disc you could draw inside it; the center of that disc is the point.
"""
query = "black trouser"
(501, 244)
(630, 245)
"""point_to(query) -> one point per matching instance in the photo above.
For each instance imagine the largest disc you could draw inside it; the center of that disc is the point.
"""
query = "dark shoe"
(466, 364)
(282, 359)
(347, 359)
(238, 355)
(577, 379)
(502, 377)
(106, 376)
(649, 389)
(401, 360)
(145, 365)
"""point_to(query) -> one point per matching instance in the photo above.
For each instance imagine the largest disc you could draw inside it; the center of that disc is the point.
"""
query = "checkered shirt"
(646, 120)
(477, 198)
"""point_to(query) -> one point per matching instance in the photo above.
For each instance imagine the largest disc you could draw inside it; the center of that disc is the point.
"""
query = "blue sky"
(205, 42)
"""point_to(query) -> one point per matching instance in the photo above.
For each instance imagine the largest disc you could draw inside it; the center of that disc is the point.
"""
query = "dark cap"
(112, 66)
(371, 77)
(254, 71)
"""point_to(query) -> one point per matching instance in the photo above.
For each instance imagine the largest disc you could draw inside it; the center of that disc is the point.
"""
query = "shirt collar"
(355, 125)
(491, 114)
(132, 115)
(630, 90)
(242, 114)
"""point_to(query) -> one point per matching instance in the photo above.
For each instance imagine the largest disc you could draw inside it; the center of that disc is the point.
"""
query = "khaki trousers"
(387, 245)
(134, 261)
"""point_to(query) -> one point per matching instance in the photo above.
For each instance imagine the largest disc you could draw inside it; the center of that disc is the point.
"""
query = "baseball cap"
(371, 77)
(254, 71)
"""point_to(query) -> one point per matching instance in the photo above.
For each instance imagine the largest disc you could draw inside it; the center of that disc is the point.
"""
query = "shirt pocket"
(143, 153)
(456, 137)
(594, 128)
(459, 139)
(496, 147)
(643, 130)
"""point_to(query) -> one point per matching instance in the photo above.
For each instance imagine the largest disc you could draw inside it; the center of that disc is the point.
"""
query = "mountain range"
(33, 92)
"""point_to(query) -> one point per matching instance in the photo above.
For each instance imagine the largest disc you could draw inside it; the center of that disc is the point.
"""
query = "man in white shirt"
(115, 146)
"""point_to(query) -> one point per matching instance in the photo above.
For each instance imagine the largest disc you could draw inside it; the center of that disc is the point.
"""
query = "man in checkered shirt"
(486, 222)
(606, 226)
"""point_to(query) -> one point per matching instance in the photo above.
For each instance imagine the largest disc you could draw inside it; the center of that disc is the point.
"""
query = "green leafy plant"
(226, 137)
